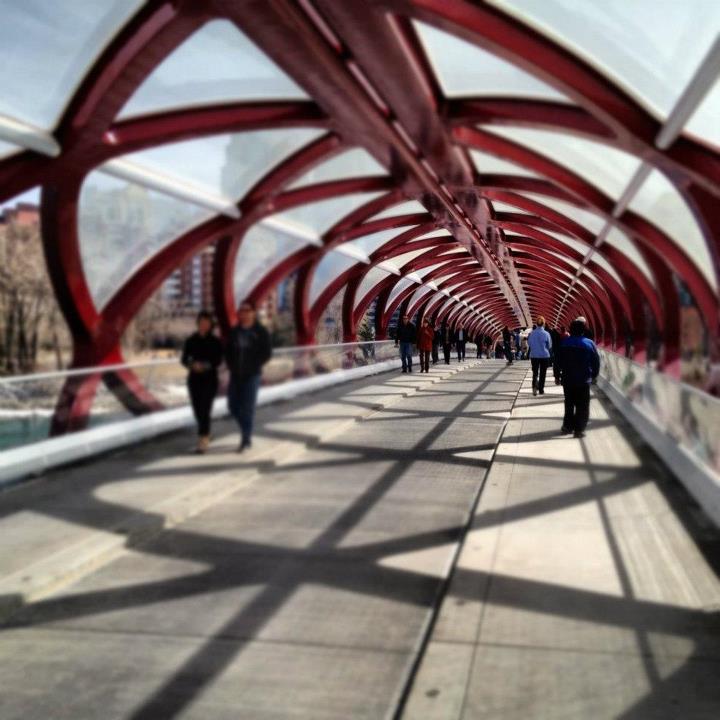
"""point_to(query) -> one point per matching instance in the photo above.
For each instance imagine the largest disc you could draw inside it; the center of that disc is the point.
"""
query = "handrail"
(99, 369)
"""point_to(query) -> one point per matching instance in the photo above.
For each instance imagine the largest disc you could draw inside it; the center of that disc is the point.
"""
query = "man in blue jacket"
(540, 345)
(579, 367)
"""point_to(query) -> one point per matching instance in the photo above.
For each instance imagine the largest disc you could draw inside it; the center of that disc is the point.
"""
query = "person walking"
(446, 341)
(202, 354)
(579, 367)
(460, 338)
(487, 344)
(540, 347)
(478, 339)
(405, 338)
(524, 346)
(248, 349)
(555, 337)
(506, 336)
(437, 341)
(425, 344)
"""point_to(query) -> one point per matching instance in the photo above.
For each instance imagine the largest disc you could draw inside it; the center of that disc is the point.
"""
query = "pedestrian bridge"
(394, 546)
(398, 546)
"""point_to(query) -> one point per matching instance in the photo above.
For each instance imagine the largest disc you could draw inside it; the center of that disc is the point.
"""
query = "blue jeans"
(406, 355)
(242, 396)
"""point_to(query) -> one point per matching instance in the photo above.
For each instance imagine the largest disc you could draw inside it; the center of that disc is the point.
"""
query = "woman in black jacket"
(202, 355)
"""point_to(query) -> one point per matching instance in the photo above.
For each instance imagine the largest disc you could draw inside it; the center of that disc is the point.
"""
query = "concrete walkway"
(585, 588)
(296, 582)
(319, 577)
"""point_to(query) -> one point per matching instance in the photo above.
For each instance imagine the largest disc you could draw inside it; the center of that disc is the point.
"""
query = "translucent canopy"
(368, 244)
(6, 149)
(621, 242)
(216, 64)
(422, 272)
(265, 99)
(410, 207)
(597, 257)
(591, 221)
(492, 164)
(704, 124)
(332, 265)
(318, 217)
(420, 293)
(441, 233)
(500, 206)
(401, 260)
(228, 164)
(651, 49)
(402, 284)
(262, 249)
(606, 168)
(659, 202)
(122, 225)
(351, 164)
(372, 278)
(465, 69)
(45, 52)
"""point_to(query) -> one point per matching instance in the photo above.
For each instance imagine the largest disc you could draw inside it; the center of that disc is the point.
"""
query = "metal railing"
(29, 402)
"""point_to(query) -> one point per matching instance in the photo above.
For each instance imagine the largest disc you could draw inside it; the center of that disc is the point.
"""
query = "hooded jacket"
(579, 361)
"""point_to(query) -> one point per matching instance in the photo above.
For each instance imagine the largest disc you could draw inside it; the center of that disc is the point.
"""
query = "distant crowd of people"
(572, 355)
(429, 339)
(247, 349)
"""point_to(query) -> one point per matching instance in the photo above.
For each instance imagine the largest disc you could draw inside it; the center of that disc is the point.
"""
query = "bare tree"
(29, 317)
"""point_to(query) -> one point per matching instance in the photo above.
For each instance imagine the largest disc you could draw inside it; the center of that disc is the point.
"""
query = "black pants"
(478, 347)
(446, 353)
(508, 352)
(203, 388)
(425, 360)
(539, 369)
(435, 355)
(577, 407)
(460, 344)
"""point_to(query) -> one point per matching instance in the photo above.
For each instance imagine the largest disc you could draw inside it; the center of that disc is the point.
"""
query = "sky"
(32, 196)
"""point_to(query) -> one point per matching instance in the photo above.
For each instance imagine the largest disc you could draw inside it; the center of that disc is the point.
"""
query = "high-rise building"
(190, 286)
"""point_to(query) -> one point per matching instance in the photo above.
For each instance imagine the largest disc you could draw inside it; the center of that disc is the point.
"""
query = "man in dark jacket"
(460, 338)
(506, 336)
(248, 349)
(437, 341)
(405, 338)
(446, 340)
(579, 367)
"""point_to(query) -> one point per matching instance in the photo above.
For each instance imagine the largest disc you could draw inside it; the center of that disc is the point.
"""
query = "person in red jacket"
(425, 345)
